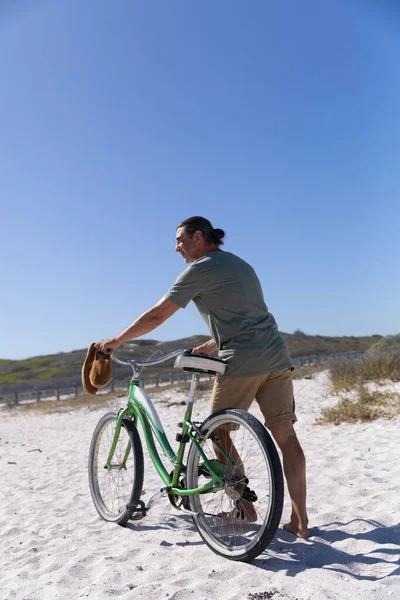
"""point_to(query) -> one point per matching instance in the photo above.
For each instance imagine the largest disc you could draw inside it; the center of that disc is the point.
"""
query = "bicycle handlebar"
(147, 363)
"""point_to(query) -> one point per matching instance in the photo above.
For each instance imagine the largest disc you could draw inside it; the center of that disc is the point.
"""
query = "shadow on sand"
(286, 553)
(317, 552)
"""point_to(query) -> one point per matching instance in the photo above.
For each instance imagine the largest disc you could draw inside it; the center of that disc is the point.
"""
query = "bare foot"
(296, 529)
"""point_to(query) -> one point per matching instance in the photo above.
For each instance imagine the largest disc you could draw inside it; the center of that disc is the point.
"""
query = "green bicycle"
(231, 484)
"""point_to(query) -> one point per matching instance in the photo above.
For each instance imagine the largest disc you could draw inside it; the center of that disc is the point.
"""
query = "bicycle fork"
(117, 431)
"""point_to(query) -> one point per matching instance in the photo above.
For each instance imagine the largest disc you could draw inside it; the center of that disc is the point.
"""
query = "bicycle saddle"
(199, 363)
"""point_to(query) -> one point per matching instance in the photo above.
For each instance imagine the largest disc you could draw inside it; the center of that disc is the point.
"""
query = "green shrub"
(365, 406)
(380, 364)
(299, 332)
(389, 343)
(40, 374)
(377, 365)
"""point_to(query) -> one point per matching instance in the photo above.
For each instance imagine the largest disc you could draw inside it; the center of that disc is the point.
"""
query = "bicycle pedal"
(249, 495)
(138, 507)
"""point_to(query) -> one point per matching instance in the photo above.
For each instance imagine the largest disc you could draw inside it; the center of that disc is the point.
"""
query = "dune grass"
(363, 406)
(376, 366)
(362, 386)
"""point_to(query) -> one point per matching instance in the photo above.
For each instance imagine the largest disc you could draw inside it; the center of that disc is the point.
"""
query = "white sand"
(54, 545)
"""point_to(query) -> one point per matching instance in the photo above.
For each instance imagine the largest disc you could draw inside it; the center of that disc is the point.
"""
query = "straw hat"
(96, 370)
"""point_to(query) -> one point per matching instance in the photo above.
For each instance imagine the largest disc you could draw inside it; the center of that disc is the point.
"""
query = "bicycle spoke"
(247, 467)
(115, 485)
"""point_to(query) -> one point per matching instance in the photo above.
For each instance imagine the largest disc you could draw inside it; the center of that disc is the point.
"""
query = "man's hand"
(207, 348)
(108, 345)
(200, 350)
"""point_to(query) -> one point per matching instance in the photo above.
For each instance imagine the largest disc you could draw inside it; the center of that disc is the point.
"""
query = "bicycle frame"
(141, 409)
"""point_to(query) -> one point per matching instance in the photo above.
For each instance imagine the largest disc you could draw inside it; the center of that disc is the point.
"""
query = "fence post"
(299, 361)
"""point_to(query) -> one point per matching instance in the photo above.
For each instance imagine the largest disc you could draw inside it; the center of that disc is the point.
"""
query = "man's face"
(186, 245)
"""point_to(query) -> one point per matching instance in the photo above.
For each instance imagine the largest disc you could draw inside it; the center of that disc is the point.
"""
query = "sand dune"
(54, 545)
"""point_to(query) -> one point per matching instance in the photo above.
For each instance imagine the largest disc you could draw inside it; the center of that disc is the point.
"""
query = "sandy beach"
(53, 544)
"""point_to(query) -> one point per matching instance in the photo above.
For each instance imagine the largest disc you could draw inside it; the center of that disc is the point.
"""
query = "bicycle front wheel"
(239, 520)
(121, 485)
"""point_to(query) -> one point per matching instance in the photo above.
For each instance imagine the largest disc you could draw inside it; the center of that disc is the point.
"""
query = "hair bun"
(217, 235)
(211, 235)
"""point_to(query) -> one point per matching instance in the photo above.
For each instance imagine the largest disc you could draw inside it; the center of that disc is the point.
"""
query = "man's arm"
(208, 347)
(148, 321)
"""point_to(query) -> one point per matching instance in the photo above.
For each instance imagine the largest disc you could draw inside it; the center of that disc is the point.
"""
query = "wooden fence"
(75, 390)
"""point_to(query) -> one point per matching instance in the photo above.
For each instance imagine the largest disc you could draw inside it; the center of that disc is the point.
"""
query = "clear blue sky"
(278, 121)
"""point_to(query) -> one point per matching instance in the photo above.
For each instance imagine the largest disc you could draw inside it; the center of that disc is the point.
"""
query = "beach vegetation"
(363, 384)
(379, 364)
(55, 367)
(363, 406)
(307, 371)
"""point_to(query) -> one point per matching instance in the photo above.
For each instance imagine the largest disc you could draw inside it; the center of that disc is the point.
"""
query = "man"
(228, 295)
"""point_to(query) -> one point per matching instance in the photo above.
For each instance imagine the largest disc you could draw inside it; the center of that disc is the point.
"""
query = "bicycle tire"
(115, 491)
(234, 541)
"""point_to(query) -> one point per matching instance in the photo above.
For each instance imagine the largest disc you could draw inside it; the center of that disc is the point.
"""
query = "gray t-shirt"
(228, 296)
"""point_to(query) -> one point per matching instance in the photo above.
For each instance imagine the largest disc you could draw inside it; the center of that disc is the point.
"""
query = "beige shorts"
(273, 392)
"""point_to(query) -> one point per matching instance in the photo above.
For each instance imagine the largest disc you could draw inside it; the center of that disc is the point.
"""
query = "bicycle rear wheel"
(239, 520)
(115, 490)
